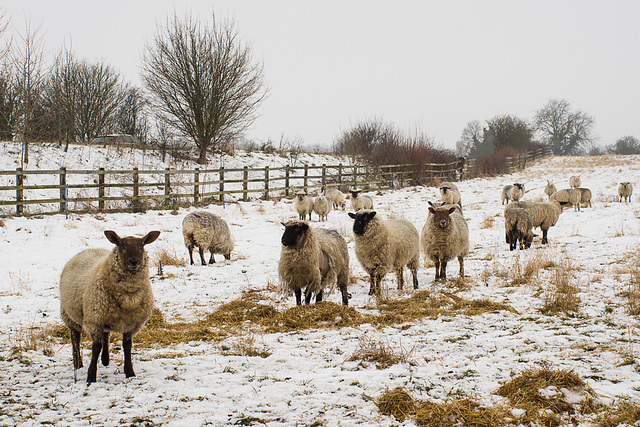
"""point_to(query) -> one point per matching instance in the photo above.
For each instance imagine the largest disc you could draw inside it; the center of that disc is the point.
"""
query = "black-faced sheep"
(518, 227)
(445, 236)
(512, 193)
(304, 205)
(385, 245)
(449, 193)
(314, 260)
(543, 214)
(103, 291)
(207, 231)
(550, 188)
(337, 197)
(624, 191)
(322, 206)
(568, 196)
(574, 181)
(360, 201)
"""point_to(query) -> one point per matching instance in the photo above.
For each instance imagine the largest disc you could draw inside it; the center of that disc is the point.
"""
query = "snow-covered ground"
(307, 378)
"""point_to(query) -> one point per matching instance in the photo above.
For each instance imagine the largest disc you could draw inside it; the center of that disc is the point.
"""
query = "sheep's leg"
(105, 348)
(75, 347)
(319, 297)
(345, 295)
(372, 289)
(461, 262)
(437, 263)
(378, 284)
(400, 278)
(190, 248)
(544, 237)
(227, 256)
(298, 293)
(212, 260)
(96, 347)
(201, 250)
(126, 346)
(443, 270)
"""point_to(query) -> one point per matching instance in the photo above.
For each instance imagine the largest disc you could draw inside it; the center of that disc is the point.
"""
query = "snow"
(307, 378)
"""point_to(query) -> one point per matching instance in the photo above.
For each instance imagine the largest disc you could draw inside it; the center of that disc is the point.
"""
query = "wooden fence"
(25, 192)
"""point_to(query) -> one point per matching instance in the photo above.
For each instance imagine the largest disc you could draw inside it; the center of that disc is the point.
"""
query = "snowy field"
(306, 377)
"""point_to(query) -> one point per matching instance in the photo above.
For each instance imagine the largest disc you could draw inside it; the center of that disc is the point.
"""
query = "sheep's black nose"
(443, 224)
(133, 262)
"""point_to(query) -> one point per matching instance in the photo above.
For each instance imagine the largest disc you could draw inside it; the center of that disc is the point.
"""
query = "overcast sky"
(431, 66)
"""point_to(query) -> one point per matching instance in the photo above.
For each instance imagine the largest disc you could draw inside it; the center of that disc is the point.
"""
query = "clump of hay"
(625, 412)
(397, 403)
(382, 354)
(460, 412)
(321, 315)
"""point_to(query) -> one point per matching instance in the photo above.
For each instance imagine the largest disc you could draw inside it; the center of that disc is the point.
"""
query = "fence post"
(355, 177)
(324, 177)
(101, 189)
(306, 176)
(221, 176)
(286, 181)
(63, 189)
(379, 177)
(19, 183)
(245, 184)
(266, 182)
(340, 174)
(196, 186)
(167, 187)
(136, 189)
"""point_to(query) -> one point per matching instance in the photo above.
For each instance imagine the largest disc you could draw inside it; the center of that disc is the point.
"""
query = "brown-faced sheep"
(337, 197)
(207, 231)
(625, 189)
(314, 260)
(385, 245)
(322, 206)
(543, 214)
(103, 291)
(445, 236)
(568, 196)
(360, 201)
(449, 193)
(550, 188)
(518, 227)
(303, 205)
(574, 181)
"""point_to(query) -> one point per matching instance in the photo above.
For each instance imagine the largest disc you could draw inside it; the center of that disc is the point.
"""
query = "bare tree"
(565, 130)
(203, 80)
(471, 139)
(4, 27)
(131, 117)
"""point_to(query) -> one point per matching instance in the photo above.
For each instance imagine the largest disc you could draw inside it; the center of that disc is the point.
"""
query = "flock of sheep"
(104, 291)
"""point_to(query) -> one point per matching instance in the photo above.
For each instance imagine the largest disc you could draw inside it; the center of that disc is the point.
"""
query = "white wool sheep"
(549, 189)
(518, 227)
(449, 193)
(314, 260)
(568, 196)
(625, 189)
(585, 196)
(103, 291)
(445, 236)
(543, 214)
(337, 197)
(207, 231)
(303, 205)
(322, 206)
(574, 181)
(360, 201)
(385, 245)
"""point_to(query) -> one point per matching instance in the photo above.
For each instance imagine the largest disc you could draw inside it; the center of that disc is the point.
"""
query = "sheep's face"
(528, 239)
(444, 189)
(519, 186)
(354, 194)
(301, 196)
(361, 221)
(441, 217)
(131, 255)
(293, 232)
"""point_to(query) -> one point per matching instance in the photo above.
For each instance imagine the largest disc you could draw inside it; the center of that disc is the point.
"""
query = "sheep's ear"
(372, 214)
(430, 204)
(451, 210)
(304, 226)
(150, 237)
(432, 210)
(282, 223)
(352, 215)
(113, 237)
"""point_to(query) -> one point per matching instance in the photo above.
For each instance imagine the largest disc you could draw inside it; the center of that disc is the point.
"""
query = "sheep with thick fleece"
(445, 236)
(512, 193)
(313, 259)
(385, 245)
(322, 206)
(337, 197)
(360, 201)
(574, 181)
(585, 196)
(207, 231)
(543, 214)
(568, 196)
(549, 189)
(103, 291)
(449, 193)
(625, 189)
(518, 227)
(303, 205)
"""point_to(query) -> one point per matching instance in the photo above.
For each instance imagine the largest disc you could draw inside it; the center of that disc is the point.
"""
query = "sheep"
(624, 191)
(574, 181)
(322, 206)
(445, 236)
(103, 291)
(208, 231)
(337, 197)
(568, 196)
(585, 196)
(549, 189)
(543, 214)
(449, 193)
(314, 259)
(304, 205)
(385, 245)
(518, 227)
(360, 201)
(512, 193)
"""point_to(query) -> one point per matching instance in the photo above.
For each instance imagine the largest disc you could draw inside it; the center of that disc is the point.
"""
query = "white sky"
(427, 65)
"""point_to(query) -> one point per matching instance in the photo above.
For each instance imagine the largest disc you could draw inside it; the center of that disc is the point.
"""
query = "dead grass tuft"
(487, 222)
(632, 291)
(625, 413)
(460, 412)
(397, 403)
(166, 256)
(381, 354)
(562, 295)
(246, 345)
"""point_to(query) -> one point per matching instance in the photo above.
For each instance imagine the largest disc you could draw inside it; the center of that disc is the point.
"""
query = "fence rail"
(26, 192)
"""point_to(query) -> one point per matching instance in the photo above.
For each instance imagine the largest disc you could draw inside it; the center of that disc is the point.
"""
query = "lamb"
(512, 193)
(337, 197)
(568, 196)
(543, 214)
(518, 227)
(449, 193)
(103, 291)
(314, 260)
(322, 206)
(624, 191)
(207, 231)
(445, 236)
(304, 205)
(574, 181)
(360, 201)
(549, 189)
(385, 245)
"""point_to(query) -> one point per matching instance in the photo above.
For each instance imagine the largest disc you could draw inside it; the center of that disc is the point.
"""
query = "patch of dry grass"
(632, 291)
(562, 294)
(381, 354)
(168, 256)
(487, 222)
(625, 413)
(245, 345)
